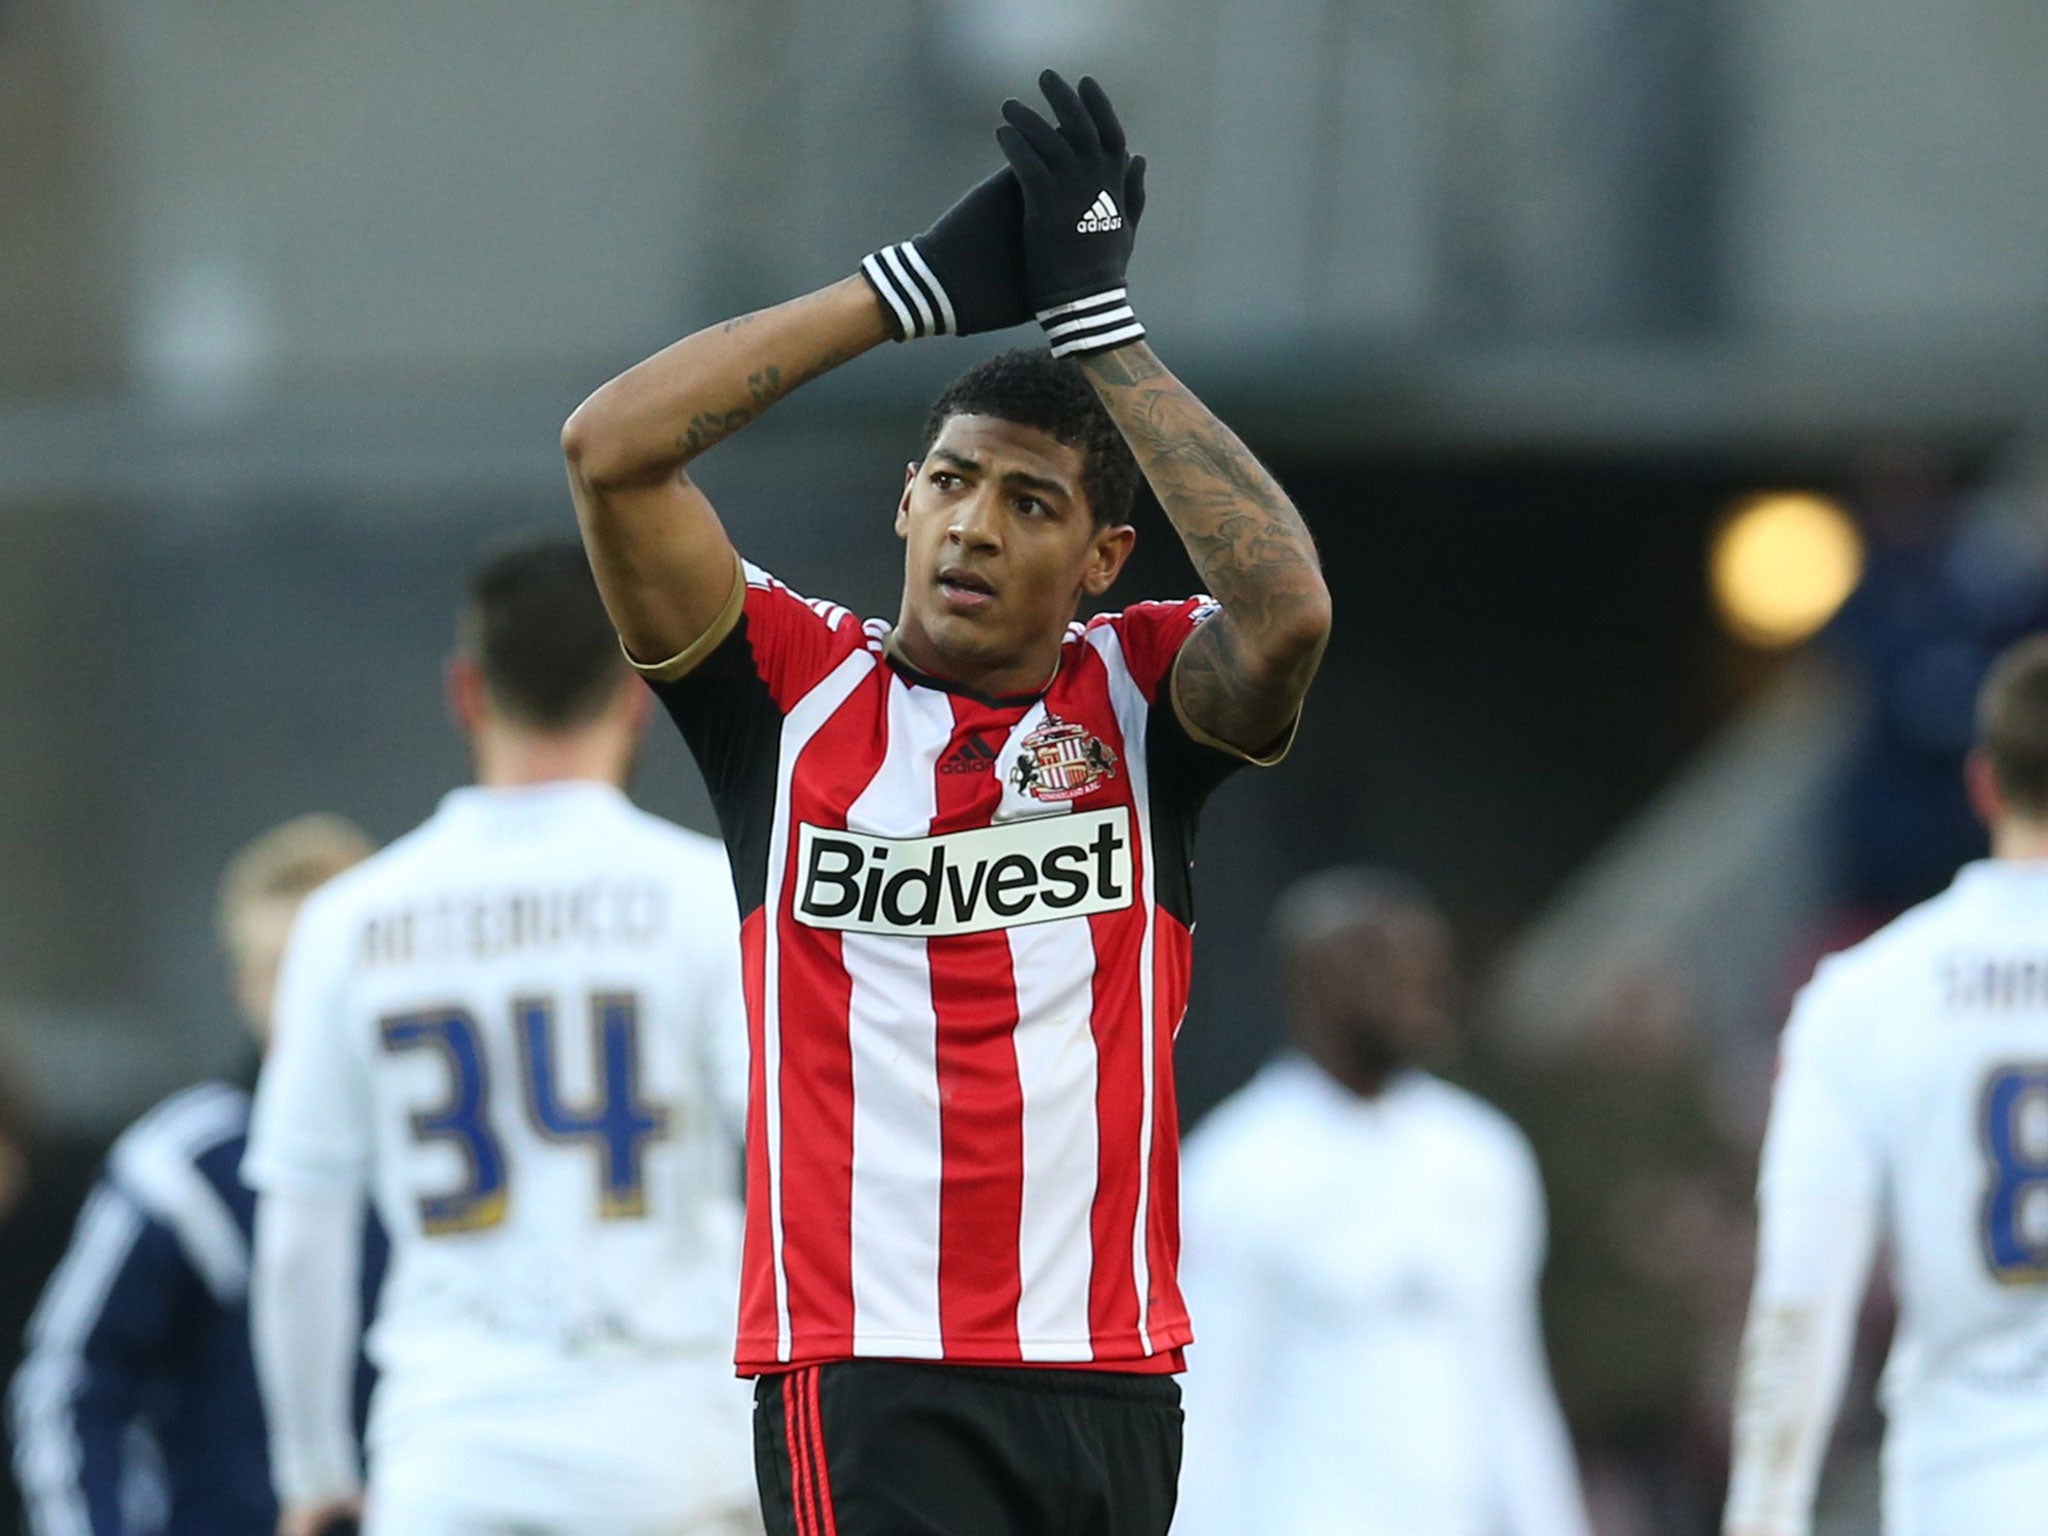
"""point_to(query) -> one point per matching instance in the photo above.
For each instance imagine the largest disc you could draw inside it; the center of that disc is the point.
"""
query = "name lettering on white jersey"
(521, 1029)
(490, 924)
(1995, 982)
(978, 881)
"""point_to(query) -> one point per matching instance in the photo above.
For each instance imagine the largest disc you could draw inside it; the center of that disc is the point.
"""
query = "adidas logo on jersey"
(1100, 217)
(974, 755)
(1005, 876)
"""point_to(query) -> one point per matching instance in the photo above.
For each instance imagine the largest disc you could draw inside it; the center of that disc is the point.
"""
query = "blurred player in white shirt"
(519, 1030)
(1363, 1243)
(1912, 1103)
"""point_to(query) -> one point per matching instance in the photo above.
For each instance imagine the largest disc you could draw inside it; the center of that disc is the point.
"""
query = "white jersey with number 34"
(1913, 1097)
(520, 1029)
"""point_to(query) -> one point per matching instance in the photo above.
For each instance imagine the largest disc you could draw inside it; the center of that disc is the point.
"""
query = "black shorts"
(889, 1448)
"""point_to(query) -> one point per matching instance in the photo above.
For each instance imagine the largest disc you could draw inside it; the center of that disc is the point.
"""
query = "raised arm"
(1241, 677)
(660, 554)
(661, 557)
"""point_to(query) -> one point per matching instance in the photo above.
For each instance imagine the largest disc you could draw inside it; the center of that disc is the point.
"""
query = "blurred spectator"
(1650, 1254)
(136, 1408)
(1363, 1243)
(1948, 583)
(45, 1177)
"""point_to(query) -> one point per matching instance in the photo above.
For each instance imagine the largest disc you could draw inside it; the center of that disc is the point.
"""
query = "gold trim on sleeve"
(1267, 759)
(685, 661)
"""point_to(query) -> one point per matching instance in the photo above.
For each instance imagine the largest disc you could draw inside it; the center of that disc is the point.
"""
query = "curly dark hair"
(1032, 388)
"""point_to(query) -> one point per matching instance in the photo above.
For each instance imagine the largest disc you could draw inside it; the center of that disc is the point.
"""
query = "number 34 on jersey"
(612, 1127)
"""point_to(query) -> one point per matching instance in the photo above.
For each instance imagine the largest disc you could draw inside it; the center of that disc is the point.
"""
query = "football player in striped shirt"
(1912, 1106)
(961, 841)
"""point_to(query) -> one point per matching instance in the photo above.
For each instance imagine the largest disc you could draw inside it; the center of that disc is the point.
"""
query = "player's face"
(1383, 991)
(1000, 547)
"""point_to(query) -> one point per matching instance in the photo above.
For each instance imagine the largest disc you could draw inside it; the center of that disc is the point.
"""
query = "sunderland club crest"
(1061, 761)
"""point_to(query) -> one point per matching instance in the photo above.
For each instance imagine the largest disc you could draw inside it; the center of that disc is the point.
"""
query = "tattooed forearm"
(1242, 532)
(1245, 671)
(764, 386)
(708, 427)
(645, 424)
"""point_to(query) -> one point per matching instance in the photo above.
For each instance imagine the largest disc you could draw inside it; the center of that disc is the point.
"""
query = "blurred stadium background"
(1664, 380)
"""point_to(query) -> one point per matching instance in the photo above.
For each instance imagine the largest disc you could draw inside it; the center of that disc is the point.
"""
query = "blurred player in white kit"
(519, 1030)
(1912, 1103)
(1363, 1246)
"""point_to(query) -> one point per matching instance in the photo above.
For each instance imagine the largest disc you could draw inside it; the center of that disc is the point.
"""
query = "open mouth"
(965, 588)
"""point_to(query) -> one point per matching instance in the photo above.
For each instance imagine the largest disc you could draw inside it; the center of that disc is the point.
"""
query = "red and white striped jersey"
(965, 928)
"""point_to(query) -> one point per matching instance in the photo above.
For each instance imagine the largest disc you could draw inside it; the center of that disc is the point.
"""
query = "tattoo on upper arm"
(1218, 690)
(1247, 541)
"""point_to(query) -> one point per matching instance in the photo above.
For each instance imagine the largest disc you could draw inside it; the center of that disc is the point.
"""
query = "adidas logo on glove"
(1100, 217)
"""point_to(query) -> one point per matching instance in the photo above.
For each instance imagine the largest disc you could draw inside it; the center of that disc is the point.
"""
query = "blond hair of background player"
(260, 893)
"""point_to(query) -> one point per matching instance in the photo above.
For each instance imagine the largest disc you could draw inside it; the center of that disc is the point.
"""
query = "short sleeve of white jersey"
(1818, 1212)
(311, 1125)
(1822, 1144)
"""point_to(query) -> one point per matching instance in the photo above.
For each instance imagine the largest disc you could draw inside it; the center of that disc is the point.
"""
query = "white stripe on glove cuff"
(912, 291)
(1093, 324)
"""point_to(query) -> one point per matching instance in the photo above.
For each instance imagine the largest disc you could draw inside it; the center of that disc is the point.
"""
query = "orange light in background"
(1782, 566)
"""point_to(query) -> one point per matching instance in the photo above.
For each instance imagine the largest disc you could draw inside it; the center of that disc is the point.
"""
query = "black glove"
(1083, 194)
(963, 275)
